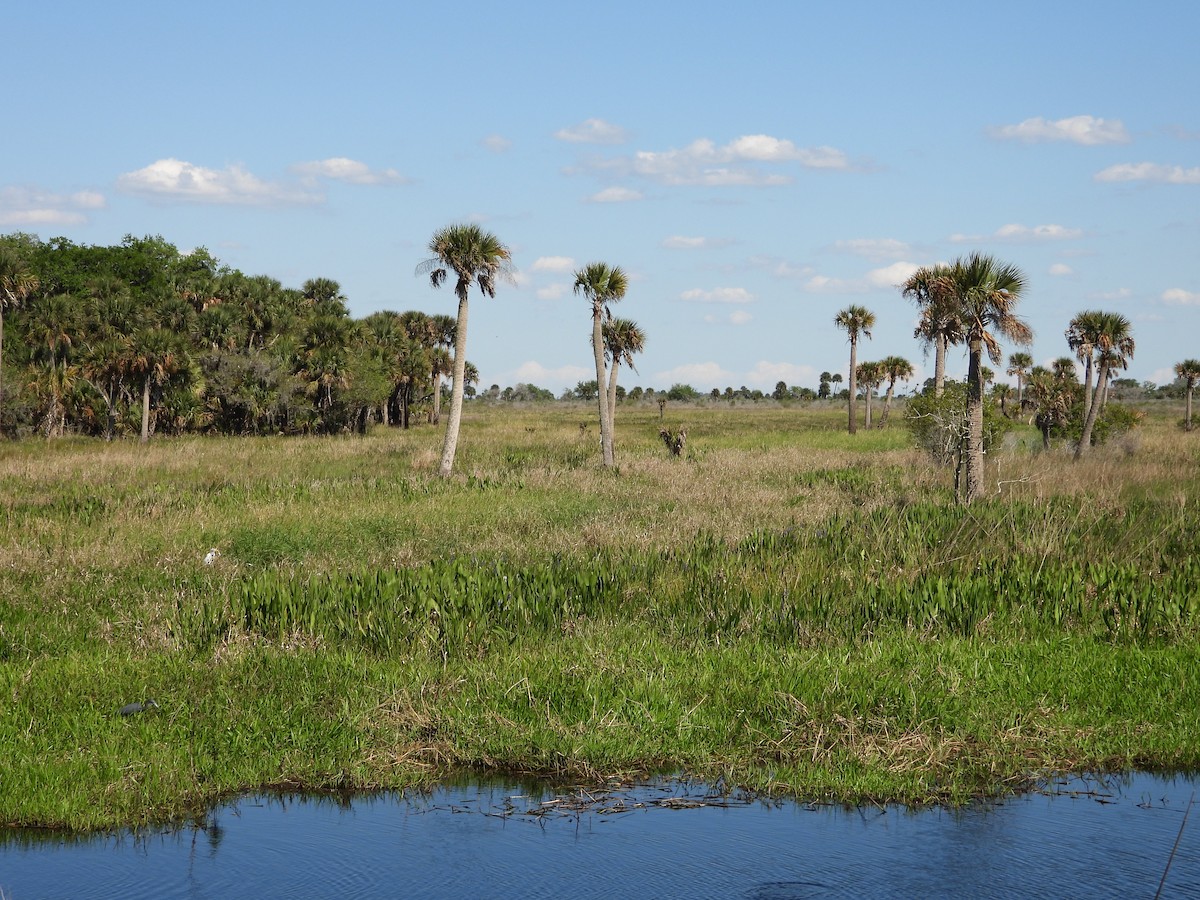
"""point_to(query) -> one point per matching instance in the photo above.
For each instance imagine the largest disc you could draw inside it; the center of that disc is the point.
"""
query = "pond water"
(1110, 837)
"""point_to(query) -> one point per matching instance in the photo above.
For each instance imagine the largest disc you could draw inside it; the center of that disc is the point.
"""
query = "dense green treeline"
(141, 337)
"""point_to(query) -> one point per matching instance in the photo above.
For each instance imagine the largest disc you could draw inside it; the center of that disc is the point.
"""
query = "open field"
(786, 606)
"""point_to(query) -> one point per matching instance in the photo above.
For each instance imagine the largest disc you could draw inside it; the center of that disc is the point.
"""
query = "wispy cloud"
(718, 295)
(553, 264)
(679, 242)
(593, 131)
(351, 171)
(886, 278)
(743, 161)
(1086, 130)
(874, 248)
(1059, 270)
(175, 179)
(31, 207)
(615, 195)
(1111, 296)
(1180, 297)
(1019, 234)
(533, 372)
(736, 318)
(1147, 171)
(497, 143)
(552, 291)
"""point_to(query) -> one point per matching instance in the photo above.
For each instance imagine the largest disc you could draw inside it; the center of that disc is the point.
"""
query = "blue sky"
(754, 170)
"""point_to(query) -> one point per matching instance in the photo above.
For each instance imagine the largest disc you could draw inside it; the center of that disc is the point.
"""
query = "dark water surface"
(1080, 838)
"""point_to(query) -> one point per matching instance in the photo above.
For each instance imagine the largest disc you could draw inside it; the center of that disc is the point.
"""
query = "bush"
(939, 424)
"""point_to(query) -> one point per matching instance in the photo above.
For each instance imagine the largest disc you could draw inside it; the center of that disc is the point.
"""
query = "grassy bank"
(786, 606)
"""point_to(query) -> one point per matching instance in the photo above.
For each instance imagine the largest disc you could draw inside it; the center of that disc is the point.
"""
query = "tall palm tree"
(869, 375)
(1082, 335)
(986, 293)
(622, 339)
(939, 325)
(856, 320)
(895, 368)
(1188, 372)
(601, 284)
(17, 282)
(1019, 365)
(473, 255)
(1112, 342)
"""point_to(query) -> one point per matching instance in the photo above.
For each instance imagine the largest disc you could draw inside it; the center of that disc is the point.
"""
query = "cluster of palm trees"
(142, 337)
(973, 301)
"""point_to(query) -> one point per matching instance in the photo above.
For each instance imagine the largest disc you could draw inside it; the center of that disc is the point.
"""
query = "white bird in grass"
(211, 556)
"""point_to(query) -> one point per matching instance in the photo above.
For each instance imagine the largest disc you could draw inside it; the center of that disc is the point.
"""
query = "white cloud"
(552, 291)
(553, 264)
(1147, 171)
(1016, 234)
(1060, 269)
(25, 206)
(1086, 130)
(1109, 296)
(780, 268)
(698, 375)
(679, 242)
(891, 276)
(718, 295)
(768, 374)
(874, 248)
(740, 162)
(497, 143)
(1165, 375)
(533, 372)
(351, 171)
(615, 195)
(174, 179)
(739, 317)
(1180, 297)
(593, 131)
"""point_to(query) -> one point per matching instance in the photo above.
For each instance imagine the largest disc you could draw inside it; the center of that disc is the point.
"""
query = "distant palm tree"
(622, 339)
(895, 368)
(985, 293)
(601, 284)
(1111, 337)
(939, 325)
(473, 255)
(1064, 368)
(17, 282)
(1019, 365)
(1082, 334)
(855, 320)
(1188, 372)
(869, 375)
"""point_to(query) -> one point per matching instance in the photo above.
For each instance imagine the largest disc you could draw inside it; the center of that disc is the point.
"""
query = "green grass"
(786, 606)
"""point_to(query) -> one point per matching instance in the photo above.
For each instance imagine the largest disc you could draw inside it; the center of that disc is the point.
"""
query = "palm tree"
(473, 255)
(1064, 368)
(1051, 398)
(895, 368)
(622, 339)
(1082, 335)
(939, 325)
(1188, 372)
(601, 284)
(1112, 342)
(855, 320)
(986, 293)
(17, 282)
(869, 375)
(1019, 365)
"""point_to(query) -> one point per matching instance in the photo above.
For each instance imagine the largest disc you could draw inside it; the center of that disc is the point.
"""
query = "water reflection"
(1093, 837)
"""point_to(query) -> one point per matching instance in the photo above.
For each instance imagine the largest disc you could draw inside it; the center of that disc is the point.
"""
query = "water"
(1093, 838)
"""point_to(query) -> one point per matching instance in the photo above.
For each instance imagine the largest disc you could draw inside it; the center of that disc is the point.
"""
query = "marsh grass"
(785, 606)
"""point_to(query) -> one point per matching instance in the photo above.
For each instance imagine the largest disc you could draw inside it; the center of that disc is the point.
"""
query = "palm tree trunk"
(1085, 439)
(867, 393)
(146, 410)
(853, 383)
(606, 449)
(1187, 415)
(1087, 383)
(974, 480)
(456, 390)
(939, 365)
(612, 397)
(1, 367)
(887, 403)
(1020, 393)
(437, 398)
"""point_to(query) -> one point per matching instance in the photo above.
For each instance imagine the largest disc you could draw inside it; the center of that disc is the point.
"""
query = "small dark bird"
(132, 709)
